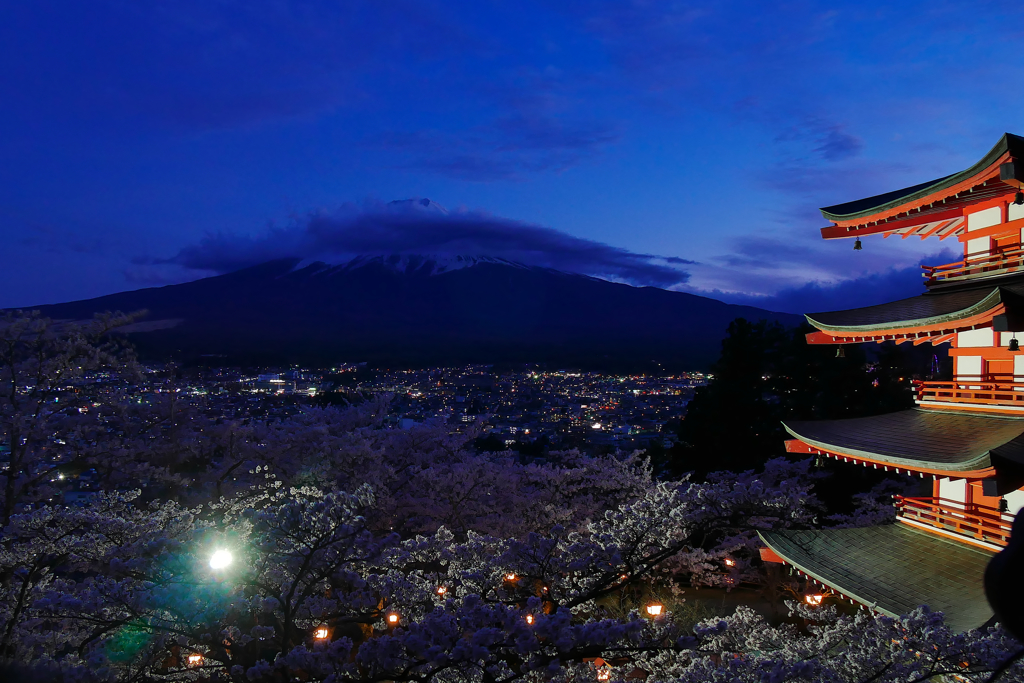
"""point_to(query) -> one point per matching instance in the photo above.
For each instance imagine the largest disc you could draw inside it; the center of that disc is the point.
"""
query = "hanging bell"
(840, 352)
(1018, 198)
(1014, 345)
(857, 247)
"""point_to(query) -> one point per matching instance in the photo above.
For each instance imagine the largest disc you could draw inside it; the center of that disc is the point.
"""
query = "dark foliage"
(767, 374)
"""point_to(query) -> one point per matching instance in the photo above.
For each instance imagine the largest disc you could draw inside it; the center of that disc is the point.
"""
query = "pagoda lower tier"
(892, 569)
(958, 444)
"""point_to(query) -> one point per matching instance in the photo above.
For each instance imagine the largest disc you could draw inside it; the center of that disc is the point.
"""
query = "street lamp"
(220, 559)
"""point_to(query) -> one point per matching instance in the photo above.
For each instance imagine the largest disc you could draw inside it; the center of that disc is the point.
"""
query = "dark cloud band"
(424, 228)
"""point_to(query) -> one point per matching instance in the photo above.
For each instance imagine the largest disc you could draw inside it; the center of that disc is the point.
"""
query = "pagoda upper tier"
(939, 207)
(935, 316)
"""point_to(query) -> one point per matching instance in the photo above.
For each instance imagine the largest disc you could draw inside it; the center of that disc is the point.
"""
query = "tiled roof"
(893, 568)
(926, 309)
(862, 208)
(914, 438)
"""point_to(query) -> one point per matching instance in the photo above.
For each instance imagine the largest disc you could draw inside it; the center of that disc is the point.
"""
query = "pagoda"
(966, 435)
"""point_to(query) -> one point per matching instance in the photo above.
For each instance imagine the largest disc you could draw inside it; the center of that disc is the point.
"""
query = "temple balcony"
(981, 394)
(970, 523)
(976, 267)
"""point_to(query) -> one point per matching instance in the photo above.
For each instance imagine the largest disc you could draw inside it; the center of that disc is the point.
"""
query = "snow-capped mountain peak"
(425, 264)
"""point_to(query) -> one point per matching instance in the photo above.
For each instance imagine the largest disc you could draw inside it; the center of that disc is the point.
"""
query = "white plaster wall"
(968, 368)
(975, 338)
(979, 220)
(984, 219)
(1014, 501)
(953, 489)
(1016, 211)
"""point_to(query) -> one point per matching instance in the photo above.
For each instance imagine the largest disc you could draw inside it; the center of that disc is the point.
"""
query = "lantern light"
(529, 618)
(654, 609)
(195, 659)
(729, 562)
(441, 590)
(510, 576)
(814, 599)
(393, 618)
(603, 674)
(220, 559)
(321, 633)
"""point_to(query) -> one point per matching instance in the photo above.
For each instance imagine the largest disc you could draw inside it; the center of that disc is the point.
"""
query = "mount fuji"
(409, 310)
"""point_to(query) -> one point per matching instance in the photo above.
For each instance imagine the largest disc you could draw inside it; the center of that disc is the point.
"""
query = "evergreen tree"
(768, 374)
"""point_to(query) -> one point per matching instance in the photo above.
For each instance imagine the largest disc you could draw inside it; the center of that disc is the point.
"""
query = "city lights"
(220, 559)
(655, 608)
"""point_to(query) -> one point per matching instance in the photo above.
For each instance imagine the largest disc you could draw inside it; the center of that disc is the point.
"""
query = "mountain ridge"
(287, 311)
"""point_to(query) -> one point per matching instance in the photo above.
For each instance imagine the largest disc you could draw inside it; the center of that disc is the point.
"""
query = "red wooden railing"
(980, 263)
(976, 521)
(968, 391)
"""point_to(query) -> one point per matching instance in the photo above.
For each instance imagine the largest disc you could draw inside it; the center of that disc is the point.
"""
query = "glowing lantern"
(393, 618)
(510, 576)
(321, 633)
(813, 599)
(529, 618)
(195, 659)
(730, 562)
(603, 674)
(655, 608)
(441, 590)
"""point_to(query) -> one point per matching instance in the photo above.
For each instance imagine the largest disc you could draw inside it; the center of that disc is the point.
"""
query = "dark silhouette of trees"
(768, 374)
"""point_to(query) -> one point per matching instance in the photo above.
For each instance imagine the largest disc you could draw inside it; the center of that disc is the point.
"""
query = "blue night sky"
(686, 145)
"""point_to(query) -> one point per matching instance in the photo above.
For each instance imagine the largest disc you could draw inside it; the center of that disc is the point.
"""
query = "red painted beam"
(994, 231)
(833, 232)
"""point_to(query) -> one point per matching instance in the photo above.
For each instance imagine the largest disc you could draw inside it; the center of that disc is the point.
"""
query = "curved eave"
(852, 213)
(891, 569)
(979, 314)
(813, 572)
(978, 468)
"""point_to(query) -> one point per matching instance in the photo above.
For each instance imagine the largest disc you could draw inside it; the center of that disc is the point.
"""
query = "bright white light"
(220, 559)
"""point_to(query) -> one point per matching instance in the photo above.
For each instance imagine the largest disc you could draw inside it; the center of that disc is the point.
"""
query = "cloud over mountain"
(421, 226)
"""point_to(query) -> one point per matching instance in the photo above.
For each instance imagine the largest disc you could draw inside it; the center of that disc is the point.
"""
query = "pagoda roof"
(946, 443)
(937, 312)
(938, 203)
(893, 569)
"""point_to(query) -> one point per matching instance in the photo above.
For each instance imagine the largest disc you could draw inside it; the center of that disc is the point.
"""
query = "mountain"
(409, 310)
